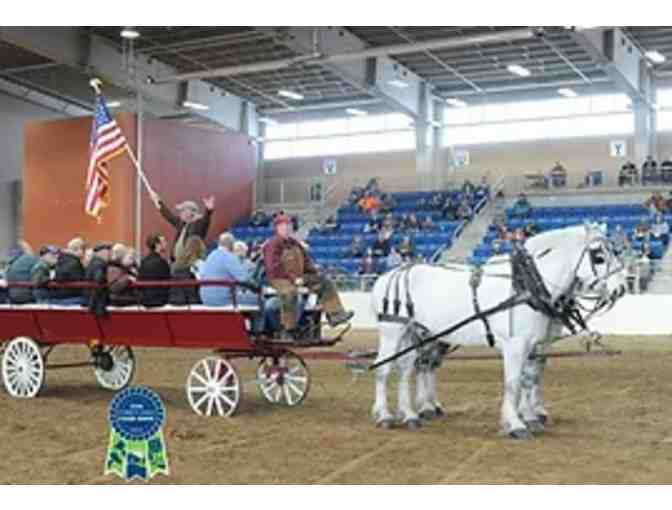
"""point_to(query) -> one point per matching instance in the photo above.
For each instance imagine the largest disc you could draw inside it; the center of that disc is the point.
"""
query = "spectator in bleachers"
(259, 219)
(381, 248)
(522, 208)
(357, 247)
(412, 224)
(655, 203)
(558, 176)
(437, 201)
(484, 187)
(666, 171)
(428, 224)
(330, 225)
(69, 269)
(19, 270)
(369, 264)
(407, 248)
(619, 239)
(628, 174)
(449, 209)
(356, 195)
(642, 231)
(464, 210)
(393, 260)
(373, 187)
(497, 246)
(387, 202)
(374, 224)
(43, 272)
(660, 230)
(388, 222)
(468, 188)
(649, 171)
(370, 204)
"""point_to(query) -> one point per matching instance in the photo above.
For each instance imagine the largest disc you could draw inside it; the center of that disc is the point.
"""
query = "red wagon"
(29, 333)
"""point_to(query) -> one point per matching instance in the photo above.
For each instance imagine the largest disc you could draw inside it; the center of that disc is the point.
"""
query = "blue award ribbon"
(136, 448)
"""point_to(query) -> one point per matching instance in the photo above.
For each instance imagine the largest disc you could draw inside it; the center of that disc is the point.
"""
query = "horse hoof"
(535, 426)
(439, 412)
(413, 425)
(428, 415)
(386, 424)
(542, 418)
(521, 435)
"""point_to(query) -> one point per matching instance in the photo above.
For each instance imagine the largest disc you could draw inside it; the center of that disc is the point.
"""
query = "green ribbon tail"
(115, 460)
(156, 455)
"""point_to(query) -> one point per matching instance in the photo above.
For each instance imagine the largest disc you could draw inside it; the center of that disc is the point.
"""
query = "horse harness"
(529, 289)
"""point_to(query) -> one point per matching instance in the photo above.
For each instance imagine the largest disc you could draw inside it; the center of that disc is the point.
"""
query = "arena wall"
(513, 160)
(641, 314)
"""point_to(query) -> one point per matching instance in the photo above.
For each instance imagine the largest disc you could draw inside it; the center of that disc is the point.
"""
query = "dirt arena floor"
(611, 417)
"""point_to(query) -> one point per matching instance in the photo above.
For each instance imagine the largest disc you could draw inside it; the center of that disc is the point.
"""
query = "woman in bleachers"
(393, 260)
(357, 247)
(660, 230)
(187, 268)
(121, 274)
(407, 248)
(369, 264)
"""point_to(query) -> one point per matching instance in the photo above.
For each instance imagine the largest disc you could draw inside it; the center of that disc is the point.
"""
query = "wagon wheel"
(23, 368)
(213, 387)
(116, 368)
(283, 380)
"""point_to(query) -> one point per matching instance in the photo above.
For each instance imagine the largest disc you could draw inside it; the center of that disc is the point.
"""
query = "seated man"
(649, 171)
(522, 208)
(96, 272)
(558, 176)
(43, 272)
(381, 248)
(155, 267)
(69, 269)
(223, 264)
(19, 270)
(289, 267)
(357, 247)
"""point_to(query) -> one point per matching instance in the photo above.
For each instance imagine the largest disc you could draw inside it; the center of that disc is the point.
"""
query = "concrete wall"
(398, 169)
(640, 314)
(14, 113)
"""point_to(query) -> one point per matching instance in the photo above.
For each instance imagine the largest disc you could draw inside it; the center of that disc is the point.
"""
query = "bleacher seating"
(628, 216)
(332, 249)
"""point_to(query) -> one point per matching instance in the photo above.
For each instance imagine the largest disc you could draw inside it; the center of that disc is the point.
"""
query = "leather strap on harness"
(474, 283)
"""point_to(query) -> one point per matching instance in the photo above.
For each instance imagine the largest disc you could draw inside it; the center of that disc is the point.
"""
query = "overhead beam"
(93, 55)
(619, 56)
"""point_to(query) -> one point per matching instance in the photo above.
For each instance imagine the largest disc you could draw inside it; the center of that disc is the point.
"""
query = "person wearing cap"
(43, 272)
(190, 221)
(288, 267)
(96, 272)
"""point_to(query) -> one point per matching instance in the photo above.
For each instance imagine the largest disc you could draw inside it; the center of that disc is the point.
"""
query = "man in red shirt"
(288, 267)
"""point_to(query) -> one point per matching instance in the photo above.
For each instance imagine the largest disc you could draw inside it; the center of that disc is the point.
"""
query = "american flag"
(107, 142)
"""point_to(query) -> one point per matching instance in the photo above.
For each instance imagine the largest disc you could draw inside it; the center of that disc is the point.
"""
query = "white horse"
(443, 296)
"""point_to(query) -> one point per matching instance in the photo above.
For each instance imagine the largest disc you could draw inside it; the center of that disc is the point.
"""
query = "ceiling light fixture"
(268, 121)
(195, 106)
(400, 84)
(129, 33)
(356, 112)
(567, 92)
(457, 103)
(290, 94)
(655, 56)
(113, 104)
(518, 70)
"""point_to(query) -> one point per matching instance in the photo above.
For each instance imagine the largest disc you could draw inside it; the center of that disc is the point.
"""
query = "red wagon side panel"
(209, 329)
(76, 325)
(137, 328)
(17, 322)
